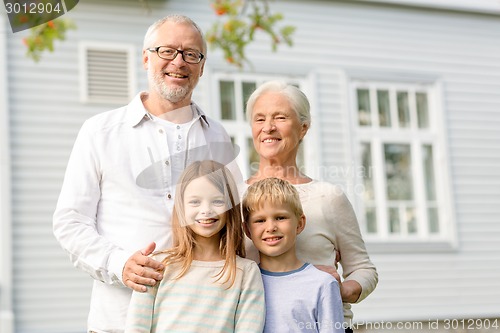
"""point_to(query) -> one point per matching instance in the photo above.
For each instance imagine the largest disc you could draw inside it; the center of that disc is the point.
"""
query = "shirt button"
(178, 127)
(169, 196)
(167, 163)
(160, 131)
(179, 137)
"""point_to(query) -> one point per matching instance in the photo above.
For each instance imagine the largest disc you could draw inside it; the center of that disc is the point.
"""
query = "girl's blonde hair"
(231, 240)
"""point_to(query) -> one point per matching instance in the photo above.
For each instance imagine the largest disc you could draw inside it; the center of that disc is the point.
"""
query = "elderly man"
(117, 195)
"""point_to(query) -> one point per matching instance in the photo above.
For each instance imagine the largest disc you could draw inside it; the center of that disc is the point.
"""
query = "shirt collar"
(138, 113)
(198, 112)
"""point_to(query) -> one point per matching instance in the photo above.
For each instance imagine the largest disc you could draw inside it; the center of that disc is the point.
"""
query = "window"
(107, 73)
(398, 145)
(232, 92)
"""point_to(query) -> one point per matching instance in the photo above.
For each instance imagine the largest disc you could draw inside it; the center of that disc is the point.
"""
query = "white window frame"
(130, 51)
(240, 129)
(383, 241)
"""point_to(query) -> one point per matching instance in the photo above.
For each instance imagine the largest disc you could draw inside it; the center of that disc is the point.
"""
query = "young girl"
(207, 285)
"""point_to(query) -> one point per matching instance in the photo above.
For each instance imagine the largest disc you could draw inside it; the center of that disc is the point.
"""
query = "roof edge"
(491, 7)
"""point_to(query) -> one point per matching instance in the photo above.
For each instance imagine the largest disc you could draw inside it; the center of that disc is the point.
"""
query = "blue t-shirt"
(303, 300)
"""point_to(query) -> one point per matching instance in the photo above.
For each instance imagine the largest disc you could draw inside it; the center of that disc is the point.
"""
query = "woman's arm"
(360, 274)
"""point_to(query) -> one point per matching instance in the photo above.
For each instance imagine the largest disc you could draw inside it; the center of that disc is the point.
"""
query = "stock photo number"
(28, 14)
(33, 8)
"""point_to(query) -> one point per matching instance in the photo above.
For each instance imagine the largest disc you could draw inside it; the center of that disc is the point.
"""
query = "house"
(405, 98)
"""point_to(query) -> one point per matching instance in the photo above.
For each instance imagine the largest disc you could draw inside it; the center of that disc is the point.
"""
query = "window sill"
(411, 247)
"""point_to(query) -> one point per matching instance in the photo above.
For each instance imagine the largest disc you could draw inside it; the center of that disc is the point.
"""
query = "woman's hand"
(350, 291)
(141, 271)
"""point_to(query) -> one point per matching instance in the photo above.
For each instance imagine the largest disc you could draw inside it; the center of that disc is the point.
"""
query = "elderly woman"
(280, 118)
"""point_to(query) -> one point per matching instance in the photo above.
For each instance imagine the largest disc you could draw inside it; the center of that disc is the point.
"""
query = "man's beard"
(172, 94)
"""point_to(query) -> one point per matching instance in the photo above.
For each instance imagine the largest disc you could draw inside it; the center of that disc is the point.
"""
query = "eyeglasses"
(168, 53)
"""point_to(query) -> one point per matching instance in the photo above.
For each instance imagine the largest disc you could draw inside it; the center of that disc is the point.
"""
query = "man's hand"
(350, 290)
(141, 271)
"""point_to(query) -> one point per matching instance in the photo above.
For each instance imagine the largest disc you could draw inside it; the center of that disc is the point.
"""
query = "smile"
(272, 240)
(177, 76)
(207, 221)
(271, 140)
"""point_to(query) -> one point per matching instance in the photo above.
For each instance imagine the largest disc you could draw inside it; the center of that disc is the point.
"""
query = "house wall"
(46, 113)
(6, 312)
(334, 42)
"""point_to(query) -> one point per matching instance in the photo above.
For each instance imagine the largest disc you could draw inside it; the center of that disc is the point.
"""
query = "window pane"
(432, 215)
(384, 111)
(422, 110)
(430, 185)
(398, 172)
(371, 220)
(364, 111)
(411, 221)
(395, 227)
(403, 109)
(227, 100)
(248, 88)
(366, 160)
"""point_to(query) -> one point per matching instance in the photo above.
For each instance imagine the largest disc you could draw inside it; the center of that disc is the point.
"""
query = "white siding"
(6, 311)
(333, 39)
(49, 294)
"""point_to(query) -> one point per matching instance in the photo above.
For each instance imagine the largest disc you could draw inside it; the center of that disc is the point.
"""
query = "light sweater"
(197, 303)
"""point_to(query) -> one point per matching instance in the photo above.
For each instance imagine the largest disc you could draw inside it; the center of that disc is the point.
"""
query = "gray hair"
(176, 18)
(298, 100)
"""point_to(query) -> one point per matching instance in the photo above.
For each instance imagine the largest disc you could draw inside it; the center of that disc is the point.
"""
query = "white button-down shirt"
(118, 193)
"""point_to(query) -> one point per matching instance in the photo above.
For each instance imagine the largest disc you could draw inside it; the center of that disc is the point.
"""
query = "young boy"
(299, 297)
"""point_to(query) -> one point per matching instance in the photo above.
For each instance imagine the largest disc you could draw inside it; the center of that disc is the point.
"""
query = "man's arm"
(75, 222)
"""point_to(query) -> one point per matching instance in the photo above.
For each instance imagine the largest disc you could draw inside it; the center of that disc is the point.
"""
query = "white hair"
(176, 18)
(298, 100)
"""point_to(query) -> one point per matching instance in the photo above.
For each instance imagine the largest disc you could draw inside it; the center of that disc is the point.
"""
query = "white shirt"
(176, 134)
(118, 193)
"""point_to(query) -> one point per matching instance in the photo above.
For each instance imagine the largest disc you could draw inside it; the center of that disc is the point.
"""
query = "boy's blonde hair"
(271, 190)
(231, 240)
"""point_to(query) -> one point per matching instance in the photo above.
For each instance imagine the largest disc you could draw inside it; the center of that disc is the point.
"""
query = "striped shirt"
(198, 303)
